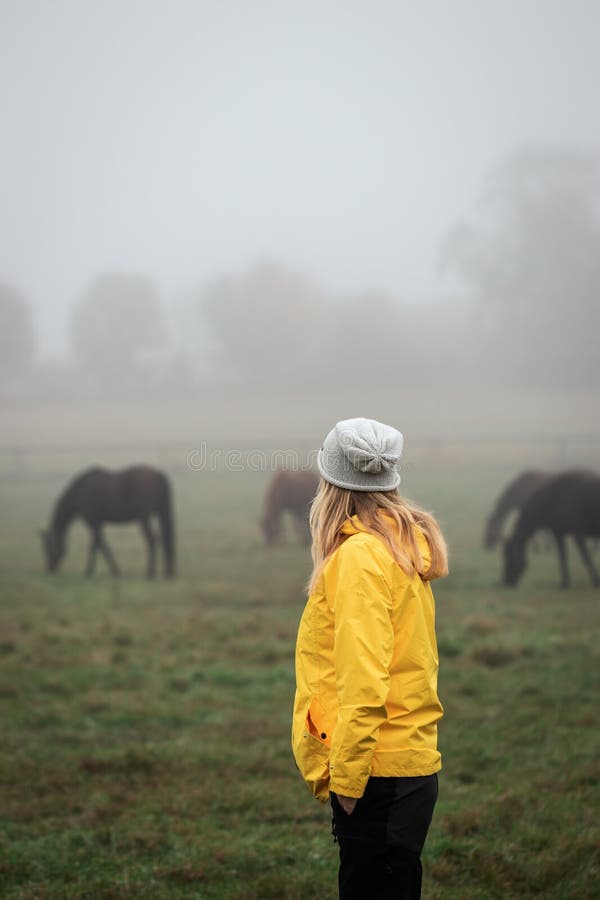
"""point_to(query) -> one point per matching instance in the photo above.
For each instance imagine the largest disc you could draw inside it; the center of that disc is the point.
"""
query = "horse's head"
(53, 545)
(514, 561)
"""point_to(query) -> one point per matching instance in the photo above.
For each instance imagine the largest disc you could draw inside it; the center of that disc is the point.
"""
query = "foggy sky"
(184, 139)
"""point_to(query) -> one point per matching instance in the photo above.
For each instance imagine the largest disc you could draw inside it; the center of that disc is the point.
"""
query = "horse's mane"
(83, 476)
(71, 488)
(513, 496)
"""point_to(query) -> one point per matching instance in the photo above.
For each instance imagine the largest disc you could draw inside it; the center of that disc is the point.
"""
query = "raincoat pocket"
(311, 750)
(317, 723)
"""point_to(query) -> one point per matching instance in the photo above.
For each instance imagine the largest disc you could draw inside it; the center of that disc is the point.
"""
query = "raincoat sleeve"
(363, 647)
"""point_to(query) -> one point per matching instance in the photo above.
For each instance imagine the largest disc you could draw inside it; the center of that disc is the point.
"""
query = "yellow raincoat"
(366, 671)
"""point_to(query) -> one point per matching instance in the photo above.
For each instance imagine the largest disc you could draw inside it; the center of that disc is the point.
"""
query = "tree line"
(522, 311)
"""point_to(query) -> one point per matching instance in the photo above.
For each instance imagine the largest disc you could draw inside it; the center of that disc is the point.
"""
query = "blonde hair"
(331, 507)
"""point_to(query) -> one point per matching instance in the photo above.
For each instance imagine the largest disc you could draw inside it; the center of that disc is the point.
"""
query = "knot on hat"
(370, 446)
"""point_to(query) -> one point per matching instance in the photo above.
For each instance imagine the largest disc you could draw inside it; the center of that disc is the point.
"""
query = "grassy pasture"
(145, 726)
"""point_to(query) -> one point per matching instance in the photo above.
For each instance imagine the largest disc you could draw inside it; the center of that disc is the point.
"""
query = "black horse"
(99, 496)
(567, 504)
(512, 498)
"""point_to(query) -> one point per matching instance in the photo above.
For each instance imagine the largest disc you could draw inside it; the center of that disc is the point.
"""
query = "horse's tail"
(167, 525)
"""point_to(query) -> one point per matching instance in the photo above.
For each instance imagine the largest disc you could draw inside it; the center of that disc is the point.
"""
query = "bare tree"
(531, 262)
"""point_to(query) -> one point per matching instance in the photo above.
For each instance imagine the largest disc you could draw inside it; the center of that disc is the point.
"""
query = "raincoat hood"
(353, 525)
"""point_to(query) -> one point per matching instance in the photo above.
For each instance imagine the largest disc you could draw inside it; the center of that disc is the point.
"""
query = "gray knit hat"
(361, 455)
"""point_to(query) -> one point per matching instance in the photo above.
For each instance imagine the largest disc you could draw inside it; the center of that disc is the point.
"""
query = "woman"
(366, 706)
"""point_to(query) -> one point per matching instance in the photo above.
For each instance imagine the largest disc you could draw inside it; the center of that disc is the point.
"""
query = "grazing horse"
(511, 498)
(290, 491)
(98, 496)
(567, 504)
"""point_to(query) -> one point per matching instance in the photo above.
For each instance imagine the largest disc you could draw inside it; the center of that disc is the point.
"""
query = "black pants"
(381, 842)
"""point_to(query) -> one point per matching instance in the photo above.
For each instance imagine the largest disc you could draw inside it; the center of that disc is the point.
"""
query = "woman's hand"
(347, 803)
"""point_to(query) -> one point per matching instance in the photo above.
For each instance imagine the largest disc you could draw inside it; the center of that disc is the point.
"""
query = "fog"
(270, 212)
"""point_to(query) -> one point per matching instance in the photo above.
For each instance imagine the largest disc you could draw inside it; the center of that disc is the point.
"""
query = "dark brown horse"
(99, 496)
(567, 504)
(289, 491)
(512, 498)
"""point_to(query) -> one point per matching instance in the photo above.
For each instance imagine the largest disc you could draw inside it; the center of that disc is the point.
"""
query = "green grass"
(145, 726)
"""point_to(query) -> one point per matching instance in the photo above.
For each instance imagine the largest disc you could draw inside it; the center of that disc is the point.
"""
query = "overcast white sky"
(184, 138)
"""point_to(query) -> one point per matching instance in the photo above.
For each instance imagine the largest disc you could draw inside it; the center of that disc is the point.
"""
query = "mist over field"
(228, 224)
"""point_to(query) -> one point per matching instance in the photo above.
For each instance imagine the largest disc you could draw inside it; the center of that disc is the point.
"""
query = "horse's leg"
(166, 540)
(106, 551)
(151, 542)
(562, 558)
(91, 562)
(585, 555)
